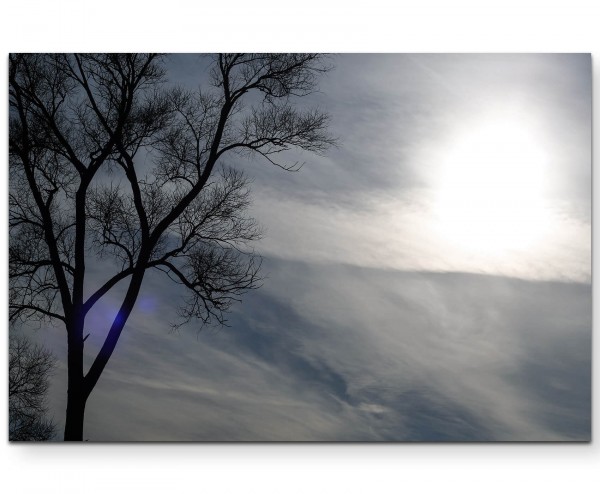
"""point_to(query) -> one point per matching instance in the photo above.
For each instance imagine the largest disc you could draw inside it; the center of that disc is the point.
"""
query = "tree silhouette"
(108, 159)
(28, 379)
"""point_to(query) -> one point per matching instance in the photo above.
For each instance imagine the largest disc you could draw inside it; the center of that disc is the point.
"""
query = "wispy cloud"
(326, 352)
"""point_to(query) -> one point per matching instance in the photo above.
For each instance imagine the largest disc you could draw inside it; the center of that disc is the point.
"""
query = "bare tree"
(108, 159)
(28, 380)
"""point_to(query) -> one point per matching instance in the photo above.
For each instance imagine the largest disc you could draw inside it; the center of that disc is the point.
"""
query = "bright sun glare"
(490, 198)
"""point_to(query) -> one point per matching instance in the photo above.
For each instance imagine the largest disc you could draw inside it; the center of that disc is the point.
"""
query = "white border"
(312, 25)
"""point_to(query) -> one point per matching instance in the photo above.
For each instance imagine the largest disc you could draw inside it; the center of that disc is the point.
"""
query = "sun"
(490, 191)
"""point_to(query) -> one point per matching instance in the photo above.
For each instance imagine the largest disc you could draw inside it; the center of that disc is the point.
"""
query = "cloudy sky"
(428, 279)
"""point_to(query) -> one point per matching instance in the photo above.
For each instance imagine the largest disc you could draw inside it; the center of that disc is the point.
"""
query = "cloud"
(372, 201)
(456, 342)
(403, 234)
(336, 352)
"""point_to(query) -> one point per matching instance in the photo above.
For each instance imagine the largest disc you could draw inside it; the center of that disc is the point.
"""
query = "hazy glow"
(490, 195)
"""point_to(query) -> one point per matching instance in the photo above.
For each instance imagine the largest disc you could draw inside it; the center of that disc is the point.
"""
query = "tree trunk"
(75, 412)
(77, 394)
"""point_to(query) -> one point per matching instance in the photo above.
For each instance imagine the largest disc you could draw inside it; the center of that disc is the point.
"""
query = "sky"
(429, 279)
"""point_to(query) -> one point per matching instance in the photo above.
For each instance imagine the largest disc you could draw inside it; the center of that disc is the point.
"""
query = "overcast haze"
(427, 279)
